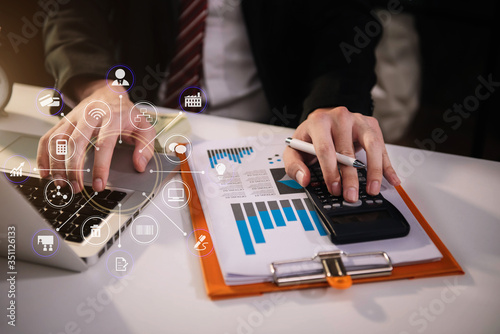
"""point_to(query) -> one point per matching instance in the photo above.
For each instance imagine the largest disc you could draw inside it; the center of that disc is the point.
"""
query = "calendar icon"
(61, 147)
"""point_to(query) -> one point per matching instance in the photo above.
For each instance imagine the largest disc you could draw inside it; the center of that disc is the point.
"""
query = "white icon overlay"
(58, 196)
(146, 118)
(97, 114)
(49, 101)
(18, 171)
(143, 115)
(144, 229)
(176, 194)
(120, 81)
(200, 245)
(46, 241)
(95, 231)
(193, 101)
(61, 146)
(221, 169)
(120, 263)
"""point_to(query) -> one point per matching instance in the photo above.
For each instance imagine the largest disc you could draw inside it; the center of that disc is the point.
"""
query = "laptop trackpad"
(15, 147)
(122, 173)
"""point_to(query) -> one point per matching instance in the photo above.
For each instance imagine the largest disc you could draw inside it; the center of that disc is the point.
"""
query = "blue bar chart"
(232, 154)
(276, 212)
(253, 219)
(246, 240)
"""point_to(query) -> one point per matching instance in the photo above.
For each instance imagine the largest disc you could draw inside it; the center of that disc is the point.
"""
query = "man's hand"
(75, 126)
(339, 130)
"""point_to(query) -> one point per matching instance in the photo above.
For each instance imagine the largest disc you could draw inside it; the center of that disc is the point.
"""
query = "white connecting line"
(166, 126)
(63, 170)
(119, 223)
(121, 98)
(150, 201)
(178, 171)
(91, 143)
(59, 227)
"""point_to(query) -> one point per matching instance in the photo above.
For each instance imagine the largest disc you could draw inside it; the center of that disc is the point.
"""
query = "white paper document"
(257, 215)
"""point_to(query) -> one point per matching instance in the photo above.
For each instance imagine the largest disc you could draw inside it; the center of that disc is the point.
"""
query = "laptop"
(52, 226)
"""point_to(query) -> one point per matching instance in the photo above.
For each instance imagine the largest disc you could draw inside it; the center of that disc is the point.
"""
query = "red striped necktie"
(186, 66)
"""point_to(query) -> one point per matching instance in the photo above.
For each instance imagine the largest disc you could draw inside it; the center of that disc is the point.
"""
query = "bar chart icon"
(235, 155)
(253, 219)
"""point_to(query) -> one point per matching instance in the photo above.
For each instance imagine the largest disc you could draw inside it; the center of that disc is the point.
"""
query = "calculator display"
(361, 217)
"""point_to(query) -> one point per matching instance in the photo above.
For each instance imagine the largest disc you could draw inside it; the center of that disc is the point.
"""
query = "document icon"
(120, 264)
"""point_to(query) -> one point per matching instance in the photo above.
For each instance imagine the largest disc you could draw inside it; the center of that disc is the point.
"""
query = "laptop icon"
(176, 195)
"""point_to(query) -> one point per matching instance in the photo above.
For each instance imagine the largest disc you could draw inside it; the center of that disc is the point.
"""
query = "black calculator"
(370, 218)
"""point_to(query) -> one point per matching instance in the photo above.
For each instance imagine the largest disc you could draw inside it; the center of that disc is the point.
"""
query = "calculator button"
(336, 205)
(362, 179)
(327, 207)
(315, 184)
(355, 204)
(379, 201)
(369, 201)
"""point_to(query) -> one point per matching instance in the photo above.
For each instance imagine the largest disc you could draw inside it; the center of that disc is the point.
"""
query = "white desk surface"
(165, 291)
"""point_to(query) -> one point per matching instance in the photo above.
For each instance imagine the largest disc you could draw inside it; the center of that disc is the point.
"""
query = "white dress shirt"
(230, 77)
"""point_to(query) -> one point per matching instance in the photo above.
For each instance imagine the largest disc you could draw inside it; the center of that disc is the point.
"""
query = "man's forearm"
(78, 45)
(81, 87)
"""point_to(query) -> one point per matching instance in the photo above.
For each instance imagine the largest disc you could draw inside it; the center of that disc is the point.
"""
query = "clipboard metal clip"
(336, 268)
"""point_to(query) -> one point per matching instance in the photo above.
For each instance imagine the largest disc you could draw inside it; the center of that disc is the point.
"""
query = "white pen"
(303, 146)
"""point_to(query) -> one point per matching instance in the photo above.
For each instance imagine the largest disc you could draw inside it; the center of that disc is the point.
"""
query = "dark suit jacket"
(295, 44)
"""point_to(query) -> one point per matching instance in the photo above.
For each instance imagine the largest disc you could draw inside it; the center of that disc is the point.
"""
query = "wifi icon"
(97, 113)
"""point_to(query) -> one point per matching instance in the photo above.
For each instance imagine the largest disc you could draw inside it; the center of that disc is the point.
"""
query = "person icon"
(120, 74)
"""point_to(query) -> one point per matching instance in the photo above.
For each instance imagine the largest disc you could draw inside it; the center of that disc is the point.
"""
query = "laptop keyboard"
(65, 218)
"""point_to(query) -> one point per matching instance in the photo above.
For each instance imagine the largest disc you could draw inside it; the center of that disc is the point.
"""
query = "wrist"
(79, 88)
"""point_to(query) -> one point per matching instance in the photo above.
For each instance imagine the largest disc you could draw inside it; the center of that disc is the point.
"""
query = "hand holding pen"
(305, 147)
(334, 131)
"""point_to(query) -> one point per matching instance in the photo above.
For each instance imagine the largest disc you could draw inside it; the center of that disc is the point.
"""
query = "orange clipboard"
(217, 289)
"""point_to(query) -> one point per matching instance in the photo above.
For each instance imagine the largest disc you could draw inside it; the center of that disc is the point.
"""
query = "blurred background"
(432, 58)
